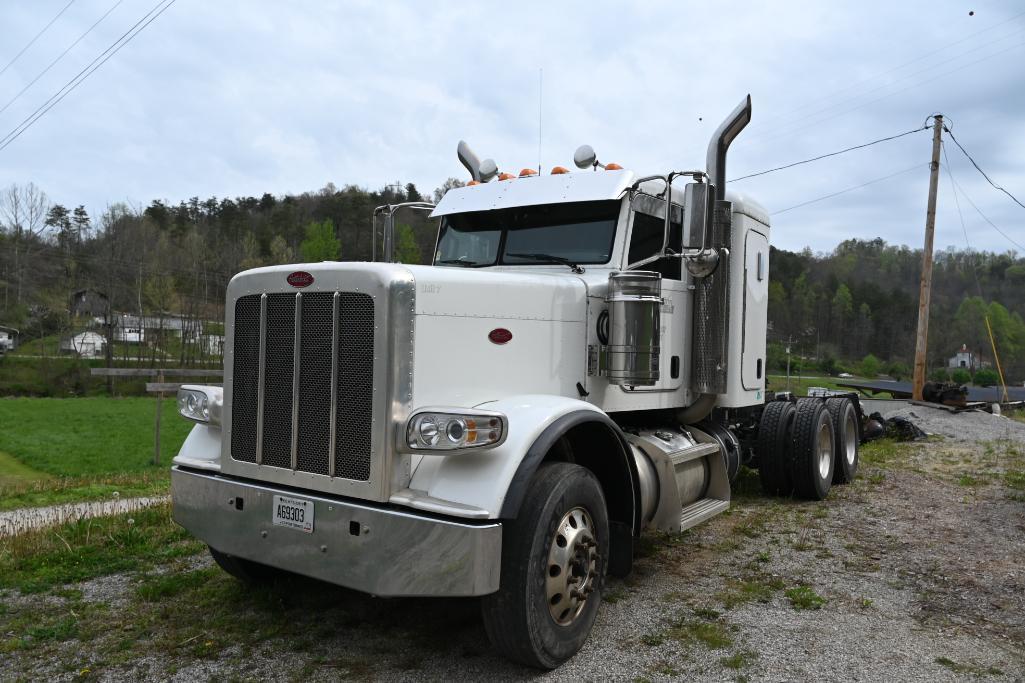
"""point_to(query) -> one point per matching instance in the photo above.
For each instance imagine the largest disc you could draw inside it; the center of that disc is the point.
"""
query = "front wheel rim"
(572, 567)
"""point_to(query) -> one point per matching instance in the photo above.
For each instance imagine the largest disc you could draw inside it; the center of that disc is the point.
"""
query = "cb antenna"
(540, 92)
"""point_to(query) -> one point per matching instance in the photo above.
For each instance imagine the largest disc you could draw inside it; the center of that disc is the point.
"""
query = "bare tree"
(23, 210)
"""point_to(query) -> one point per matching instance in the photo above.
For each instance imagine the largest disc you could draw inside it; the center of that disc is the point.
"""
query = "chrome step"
(698, 512)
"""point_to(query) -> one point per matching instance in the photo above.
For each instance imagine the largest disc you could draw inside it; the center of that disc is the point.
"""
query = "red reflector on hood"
(500, 336)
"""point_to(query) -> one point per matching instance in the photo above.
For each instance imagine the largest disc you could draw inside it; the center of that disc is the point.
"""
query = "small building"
(8, 337)
(85, 344)
(966, 359)
(88, 302)
(212, 344)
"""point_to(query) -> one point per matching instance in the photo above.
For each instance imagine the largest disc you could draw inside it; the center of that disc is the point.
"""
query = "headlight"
(439, 429)
(200, 404)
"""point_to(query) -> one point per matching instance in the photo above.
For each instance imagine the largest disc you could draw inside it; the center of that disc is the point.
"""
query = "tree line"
(859, 300)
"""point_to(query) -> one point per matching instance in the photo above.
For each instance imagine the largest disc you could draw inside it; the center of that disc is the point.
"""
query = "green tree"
(869, 367)
(406, 248)
(898, 370)
(320, 244)
(280, 252)
(960, 376)
(939, 375)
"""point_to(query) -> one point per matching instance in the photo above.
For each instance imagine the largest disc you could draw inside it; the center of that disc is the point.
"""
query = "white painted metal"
(534, 190)
(480, 479)
(748, 312)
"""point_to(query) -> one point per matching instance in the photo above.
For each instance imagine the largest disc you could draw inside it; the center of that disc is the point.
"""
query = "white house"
(7, 337)
(85, 344)
(965, 358)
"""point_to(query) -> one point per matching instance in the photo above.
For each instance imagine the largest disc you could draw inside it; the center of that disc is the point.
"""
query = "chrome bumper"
(378, 551)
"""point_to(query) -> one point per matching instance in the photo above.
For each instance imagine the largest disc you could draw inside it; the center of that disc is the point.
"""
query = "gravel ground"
(20, 520)
(909, 574)
(970, 426)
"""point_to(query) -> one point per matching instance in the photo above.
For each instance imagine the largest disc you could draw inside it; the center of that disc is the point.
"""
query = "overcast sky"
(241, 98)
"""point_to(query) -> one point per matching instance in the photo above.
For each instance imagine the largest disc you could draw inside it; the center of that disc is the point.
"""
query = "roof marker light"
(472, 183)
(506, 176)
(527, 172)
(559, 170)
(613, 167)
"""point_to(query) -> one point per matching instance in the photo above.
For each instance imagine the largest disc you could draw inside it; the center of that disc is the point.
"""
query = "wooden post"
(160, 410)
(925, 284)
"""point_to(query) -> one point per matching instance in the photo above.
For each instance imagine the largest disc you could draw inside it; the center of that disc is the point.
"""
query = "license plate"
(295, 513)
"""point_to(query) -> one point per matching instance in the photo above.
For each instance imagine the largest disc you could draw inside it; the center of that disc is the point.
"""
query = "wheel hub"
(824, 446)
(572, 566)
(851, 440)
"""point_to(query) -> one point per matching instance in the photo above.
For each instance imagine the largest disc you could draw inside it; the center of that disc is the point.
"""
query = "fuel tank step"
(699, 511)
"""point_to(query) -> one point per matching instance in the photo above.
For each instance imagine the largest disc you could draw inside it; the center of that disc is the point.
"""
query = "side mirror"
(697, 201)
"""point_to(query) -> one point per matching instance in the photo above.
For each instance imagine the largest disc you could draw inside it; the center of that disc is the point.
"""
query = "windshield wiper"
(461, 261)
(550, 259)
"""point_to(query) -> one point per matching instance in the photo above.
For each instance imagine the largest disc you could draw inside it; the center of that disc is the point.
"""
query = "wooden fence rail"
(158, 388)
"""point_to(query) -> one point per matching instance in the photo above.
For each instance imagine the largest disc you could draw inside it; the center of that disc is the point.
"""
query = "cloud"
(241, 98)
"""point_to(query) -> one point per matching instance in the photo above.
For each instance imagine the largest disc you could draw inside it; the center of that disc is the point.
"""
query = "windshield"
(577, 232)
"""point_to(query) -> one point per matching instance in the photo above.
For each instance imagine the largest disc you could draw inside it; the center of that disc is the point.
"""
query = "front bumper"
(395, 553)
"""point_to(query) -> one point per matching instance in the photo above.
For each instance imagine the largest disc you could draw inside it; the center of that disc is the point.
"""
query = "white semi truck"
(584, 360)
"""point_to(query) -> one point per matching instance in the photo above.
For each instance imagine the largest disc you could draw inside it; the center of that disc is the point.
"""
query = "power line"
(59, 57)
(991, 223)
(87, 71)
(831, 154)
(41, 32)
(965, 152)
(876, 77)
(849, 189)
(849, 110)
(964, 229)
(884, 86)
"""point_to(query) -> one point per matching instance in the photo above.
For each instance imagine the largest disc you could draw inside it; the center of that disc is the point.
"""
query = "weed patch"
(86, 549)
(739, 660)
(803, 597)
(968, 668)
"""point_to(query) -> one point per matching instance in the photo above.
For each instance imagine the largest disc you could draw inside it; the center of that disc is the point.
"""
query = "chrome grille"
(304, 401)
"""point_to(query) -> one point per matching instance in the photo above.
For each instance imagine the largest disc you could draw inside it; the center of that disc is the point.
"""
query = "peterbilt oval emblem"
(500, 336)
(299, 278)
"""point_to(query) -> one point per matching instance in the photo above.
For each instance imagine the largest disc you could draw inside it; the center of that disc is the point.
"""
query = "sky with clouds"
(240, 97)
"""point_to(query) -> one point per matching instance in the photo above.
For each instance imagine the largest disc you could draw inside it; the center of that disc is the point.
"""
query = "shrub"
(986, 377)
(898, 370)
(869, 367)
(960, 376)
(939, 375)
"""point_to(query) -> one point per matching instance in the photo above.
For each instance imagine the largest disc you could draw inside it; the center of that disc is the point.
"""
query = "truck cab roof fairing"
(549, 189)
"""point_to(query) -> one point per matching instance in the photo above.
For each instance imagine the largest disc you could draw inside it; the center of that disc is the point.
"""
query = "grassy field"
(60, 450)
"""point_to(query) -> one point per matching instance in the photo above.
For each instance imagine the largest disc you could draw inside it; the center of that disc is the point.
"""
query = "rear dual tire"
(813, 457)
(800, 447)
(847, 430)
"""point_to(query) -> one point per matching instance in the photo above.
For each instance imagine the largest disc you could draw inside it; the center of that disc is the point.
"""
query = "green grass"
(13, 472)
(739, 660)
(799, 386)
(88, 436)
(85, 549)
(968, 668)
(55, 491)
(804, 598)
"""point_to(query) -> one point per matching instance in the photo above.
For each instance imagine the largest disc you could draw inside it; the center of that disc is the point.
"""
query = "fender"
(495, 480)
(201, 449)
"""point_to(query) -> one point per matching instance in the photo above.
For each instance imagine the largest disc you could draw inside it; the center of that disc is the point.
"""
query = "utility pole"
(925, 286)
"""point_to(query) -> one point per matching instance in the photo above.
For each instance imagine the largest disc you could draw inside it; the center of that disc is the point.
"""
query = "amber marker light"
(527, 172)
(559, 170)
(506, 176)
(613, 167)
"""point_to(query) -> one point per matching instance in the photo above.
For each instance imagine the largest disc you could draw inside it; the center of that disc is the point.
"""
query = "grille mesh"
(277, 384)
(246, 370)
(315, 383)
(355, 386)
(354, 389)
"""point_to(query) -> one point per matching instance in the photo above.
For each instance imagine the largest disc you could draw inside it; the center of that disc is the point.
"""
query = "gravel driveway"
(914, 573)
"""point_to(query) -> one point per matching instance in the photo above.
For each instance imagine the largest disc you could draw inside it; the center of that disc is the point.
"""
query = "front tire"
(554, 557)
(246, 571)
